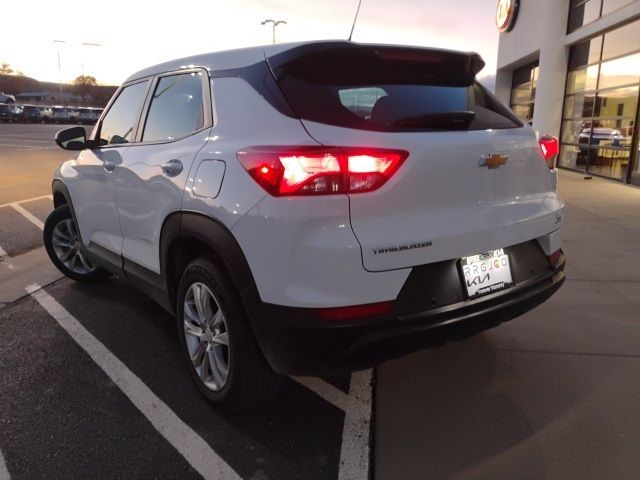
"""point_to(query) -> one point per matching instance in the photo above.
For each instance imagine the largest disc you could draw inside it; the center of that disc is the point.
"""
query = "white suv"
(311, 207)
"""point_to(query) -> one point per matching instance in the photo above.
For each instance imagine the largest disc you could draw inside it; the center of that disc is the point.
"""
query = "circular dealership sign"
(506, 14)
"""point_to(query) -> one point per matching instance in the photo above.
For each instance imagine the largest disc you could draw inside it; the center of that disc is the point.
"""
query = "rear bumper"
(431, 310)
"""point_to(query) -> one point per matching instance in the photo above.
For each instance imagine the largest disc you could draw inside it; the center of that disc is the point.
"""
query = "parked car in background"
(30, 114)
(603, 137)
(74, 114)
(16, 111)
(308, 230)
(5, 113)
(46, 114)
(89, 115)
(96, 112)
(59, 115)
(6, 98)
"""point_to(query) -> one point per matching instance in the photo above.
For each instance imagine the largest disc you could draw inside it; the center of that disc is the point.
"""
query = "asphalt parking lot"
(91, 383)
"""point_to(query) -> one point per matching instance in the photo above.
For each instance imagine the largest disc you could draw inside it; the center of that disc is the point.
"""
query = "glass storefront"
(583, 12)
(601, 102)
(523, 91)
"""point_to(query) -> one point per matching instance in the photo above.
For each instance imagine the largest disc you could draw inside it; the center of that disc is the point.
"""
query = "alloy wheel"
(206, 335)
(68, 247)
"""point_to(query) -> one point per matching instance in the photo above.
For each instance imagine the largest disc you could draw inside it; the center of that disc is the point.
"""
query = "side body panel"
(92, 191)
(145, 196)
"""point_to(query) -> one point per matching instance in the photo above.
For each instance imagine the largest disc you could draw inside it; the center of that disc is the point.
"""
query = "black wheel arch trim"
(59, 188)
(184, 226)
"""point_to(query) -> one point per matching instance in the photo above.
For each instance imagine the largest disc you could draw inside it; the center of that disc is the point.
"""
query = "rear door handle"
(172, 168)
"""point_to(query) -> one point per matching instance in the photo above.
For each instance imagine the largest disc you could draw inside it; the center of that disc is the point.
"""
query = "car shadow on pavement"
(473, 410)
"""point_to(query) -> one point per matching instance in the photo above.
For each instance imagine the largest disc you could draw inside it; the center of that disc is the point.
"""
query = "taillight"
(549, 147)
(555, 257)
(320, 170)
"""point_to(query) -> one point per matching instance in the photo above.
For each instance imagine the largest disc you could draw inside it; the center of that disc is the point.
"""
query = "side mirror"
(74, 138)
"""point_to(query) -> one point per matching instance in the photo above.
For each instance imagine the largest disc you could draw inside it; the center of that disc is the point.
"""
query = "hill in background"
(30, 90)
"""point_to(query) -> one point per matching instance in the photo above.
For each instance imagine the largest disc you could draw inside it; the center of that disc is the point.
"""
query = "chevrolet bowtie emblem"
(494, 160)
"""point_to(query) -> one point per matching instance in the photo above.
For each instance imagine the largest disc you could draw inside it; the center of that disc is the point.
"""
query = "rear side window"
(120, 121)
(176, 108)
(372, 90)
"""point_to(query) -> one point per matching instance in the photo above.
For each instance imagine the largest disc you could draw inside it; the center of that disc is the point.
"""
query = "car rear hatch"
(474, 180)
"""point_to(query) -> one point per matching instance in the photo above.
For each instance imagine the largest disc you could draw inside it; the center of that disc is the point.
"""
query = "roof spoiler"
(314, 59)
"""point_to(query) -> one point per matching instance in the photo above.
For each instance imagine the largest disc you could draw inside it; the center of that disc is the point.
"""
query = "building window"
(523, 91)
(601, 102)
(582, 12)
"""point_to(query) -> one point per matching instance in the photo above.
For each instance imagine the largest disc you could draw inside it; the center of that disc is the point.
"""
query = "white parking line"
(5, 260)
(187, 442)
(26, 147)
(4, 472)
(328, 392)
(13, 138)
(28, 215)
(354, 452)
(33, 199)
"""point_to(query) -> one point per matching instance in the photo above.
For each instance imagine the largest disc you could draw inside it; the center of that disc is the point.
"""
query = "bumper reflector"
(354, 312)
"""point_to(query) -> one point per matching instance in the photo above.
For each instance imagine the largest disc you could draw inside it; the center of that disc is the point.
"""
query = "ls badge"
(494, 160)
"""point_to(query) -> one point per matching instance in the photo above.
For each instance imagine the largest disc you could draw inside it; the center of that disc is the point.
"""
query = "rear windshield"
(364, 90)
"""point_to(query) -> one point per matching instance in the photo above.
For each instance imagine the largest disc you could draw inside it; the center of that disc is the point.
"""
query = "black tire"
(250, 382)
(59, 215)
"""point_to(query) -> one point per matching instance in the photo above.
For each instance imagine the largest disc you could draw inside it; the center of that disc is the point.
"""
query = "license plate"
(486, 273)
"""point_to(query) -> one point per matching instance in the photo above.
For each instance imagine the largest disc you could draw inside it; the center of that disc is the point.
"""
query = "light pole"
(88, 44)
(58, 42)
(274, 23)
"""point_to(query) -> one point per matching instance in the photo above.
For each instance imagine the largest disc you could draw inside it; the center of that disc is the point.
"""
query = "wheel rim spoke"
(199, 354)
(65, 256)
(218, 319)
(83, 261)
(218, 373)
(221, 339)
(205, 367)
(192, 328)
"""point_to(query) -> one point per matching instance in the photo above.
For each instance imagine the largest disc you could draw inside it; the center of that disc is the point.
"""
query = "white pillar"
(550, 88)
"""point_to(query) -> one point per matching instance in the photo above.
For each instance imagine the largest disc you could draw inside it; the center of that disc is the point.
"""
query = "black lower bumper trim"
(294, 341)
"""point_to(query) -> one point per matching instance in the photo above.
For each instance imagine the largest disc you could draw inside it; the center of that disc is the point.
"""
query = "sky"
(133, 34)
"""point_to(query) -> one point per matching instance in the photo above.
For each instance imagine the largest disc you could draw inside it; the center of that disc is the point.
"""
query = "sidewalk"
(554, 394)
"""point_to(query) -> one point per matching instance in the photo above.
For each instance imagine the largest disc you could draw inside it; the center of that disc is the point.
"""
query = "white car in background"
(293, 227)
(6, 98)
(59, 115)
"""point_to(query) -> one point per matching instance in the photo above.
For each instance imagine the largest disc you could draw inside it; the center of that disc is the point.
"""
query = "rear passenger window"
(176, 108)
(120, 121)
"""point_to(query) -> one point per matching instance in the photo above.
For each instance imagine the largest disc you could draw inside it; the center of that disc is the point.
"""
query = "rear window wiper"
(442, 120)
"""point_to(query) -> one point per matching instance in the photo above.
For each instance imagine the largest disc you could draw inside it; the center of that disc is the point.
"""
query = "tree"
(85, 80)
(84, 85)
(5, 69)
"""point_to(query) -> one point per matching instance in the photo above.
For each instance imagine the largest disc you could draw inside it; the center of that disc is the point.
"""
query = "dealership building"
(571, 68)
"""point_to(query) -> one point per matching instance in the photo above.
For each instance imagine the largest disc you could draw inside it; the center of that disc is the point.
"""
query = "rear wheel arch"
(188, 235)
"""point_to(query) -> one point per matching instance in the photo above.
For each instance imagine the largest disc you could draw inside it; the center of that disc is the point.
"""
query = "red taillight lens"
(549, 147)
(554, 258)
(319, 170)
(354, 312)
